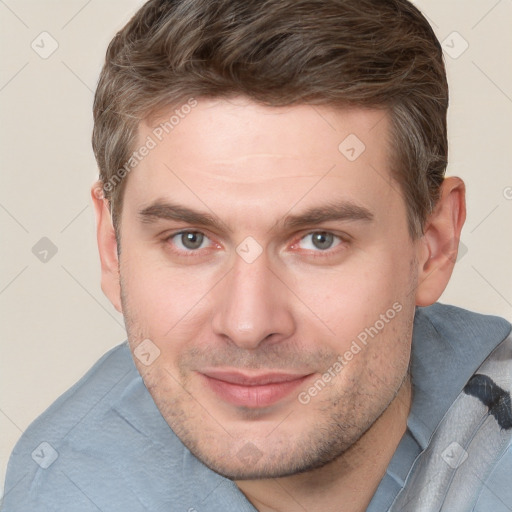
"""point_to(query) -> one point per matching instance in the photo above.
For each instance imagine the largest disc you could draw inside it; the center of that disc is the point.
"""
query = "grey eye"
(191, 239)
(322, 240)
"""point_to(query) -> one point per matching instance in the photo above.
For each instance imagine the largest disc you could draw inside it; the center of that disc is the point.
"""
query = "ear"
(107, 246)
(438, 247)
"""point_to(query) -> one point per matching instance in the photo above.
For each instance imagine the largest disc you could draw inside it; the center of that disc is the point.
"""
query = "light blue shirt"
(104, 446)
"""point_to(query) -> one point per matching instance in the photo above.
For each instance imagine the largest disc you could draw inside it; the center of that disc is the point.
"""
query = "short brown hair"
(365, 53)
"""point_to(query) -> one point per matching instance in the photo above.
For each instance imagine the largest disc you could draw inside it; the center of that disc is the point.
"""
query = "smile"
(253, 391)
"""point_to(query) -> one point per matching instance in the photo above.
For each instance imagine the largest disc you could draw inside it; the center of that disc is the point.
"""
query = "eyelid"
(341, 239)
(167, 239)
(344, 239)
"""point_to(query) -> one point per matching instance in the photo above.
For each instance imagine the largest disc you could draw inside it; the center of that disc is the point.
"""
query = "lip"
(252, 390)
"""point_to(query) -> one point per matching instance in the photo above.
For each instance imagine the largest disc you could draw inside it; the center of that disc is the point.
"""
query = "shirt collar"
(448, 346)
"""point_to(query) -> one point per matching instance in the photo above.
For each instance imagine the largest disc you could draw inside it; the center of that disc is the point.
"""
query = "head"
(271, 200)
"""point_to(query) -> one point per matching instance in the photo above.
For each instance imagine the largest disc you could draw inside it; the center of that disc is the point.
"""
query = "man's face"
(307, 257)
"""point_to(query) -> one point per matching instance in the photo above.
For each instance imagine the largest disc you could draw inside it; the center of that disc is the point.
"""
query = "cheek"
(165, 304)
(337, 304)
(368, 289)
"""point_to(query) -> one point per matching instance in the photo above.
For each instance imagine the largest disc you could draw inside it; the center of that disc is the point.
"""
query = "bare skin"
(287, 304)
(358, 471)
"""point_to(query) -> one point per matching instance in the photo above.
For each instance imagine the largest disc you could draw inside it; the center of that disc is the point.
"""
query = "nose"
(253, 305)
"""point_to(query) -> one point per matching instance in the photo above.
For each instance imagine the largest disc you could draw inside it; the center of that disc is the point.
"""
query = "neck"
(348, 483)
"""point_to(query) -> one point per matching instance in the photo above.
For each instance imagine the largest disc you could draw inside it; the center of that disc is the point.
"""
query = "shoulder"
(65, 433)
(103, 445)
(496, 494)
(447, 337)
(461, 414)
(449, 345)
(451, 320)
(93, 393)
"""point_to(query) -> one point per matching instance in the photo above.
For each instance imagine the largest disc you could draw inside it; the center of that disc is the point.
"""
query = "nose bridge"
(252, 306)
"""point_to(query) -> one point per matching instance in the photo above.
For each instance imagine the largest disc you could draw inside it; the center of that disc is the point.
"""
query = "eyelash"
(189, 253)
(342, 243)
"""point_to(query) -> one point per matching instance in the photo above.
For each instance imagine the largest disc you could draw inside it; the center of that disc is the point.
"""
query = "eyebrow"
(345, 210)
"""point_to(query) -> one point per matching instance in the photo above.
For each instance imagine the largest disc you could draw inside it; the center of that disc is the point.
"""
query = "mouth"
(252, 391)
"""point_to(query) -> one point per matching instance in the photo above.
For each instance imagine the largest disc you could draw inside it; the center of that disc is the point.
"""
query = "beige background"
(55, 320)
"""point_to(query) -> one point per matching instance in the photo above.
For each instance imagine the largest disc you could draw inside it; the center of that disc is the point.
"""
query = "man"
(274, 224)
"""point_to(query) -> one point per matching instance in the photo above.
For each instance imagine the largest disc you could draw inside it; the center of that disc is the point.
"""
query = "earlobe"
(107, 247)
(437, 250)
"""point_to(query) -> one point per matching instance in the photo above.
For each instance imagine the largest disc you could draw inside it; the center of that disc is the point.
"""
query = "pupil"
(192, 240)
(322, 240)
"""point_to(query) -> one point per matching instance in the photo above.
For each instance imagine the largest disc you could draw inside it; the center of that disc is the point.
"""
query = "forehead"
(222, 131)
(234, 155)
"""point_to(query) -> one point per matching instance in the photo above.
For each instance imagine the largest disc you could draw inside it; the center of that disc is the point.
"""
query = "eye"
(319, 240)
(189, 240)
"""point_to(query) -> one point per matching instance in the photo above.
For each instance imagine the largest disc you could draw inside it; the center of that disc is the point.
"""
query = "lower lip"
(253, 396)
